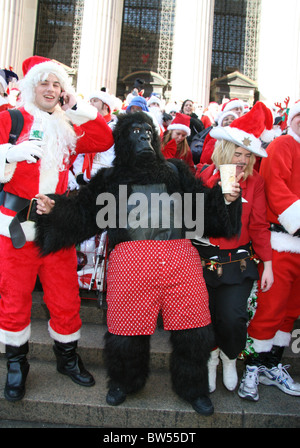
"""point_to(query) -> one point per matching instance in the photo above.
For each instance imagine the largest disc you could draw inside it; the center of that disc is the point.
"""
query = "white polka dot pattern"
(145, 277)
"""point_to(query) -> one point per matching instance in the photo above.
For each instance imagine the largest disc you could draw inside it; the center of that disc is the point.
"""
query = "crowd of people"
(73, 139)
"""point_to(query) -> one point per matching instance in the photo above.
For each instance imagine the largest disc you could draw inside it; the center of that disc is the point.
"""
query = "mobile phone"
(31, 214)
(61, 100)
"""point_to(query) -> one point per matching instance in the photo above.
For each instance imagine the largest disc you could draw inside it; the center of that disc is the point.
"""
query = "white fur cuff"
(290, 218)
(261, 346)
(15, 338)
(84, 113)
(64, 338)
(282, 338)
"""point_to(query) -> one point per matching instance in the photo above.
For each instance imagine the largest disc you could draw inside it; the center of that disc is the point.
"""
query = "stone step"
(91, 345)
(54, 399)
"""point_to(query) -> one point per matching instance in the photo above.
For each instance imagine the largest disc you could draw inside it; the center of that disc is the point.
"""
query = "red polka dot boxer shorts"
(145, 277)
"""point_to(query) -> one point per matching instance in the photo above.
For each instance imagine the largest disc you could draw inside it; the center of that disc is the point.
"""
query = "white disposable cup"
(228, 177)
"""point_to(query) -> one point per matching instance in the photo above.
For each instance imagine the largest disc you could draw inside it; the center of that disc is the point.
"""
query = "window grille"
(235, 37)
(58, 30)
(147, 37)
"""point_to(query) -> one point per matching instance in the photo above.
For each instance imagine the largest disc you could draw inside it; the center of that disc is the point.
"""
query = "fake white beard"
(157, 114)
(59, 138)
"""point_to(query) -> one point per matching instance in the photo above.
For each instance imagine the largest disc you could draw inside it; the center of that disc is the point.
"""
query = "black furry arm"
(71, 221)
(221, 220)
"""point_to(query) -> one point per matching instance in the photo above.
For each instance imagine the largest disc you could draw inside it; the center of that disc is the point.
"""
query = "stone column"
(17, 30)
(191, 65)
(100, 46)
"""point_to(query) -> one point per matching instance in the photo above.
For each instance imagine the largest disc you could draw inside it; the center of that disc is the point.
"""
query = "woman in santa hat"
(224, 119)
(174, 142)
(56, 128)
(229, 264)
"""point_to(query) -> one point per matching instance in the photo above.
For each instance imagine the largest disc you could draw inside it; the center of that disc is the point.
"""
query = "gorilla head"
(136, 138)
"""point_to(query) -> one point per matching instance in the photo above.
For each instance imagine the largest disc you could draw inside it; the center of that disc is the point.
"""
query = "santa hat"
(223, 115)
(37, 66)
(105, 97)
(247, 130)
(294, 110)
(232, 104)
(153, 100)
(181, 122)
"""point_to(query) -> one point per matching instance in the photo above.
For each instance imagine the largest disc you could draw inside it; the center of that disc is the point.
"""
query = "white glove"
(24, 151)
(72, 184)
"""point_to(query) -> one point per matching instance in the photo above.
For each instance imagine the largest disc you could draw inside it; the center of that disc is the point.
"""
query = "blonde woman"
(230, 268)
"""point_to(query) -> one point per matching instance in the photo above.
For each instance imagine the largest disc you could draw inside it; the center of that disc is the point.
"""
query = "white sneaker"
(278, 376)
(249, 384)
(212, 369)
(230, 377)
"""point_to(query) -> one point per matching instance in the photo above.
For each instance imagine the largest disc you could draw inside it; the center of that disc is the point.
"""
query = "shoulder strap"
(17, 123)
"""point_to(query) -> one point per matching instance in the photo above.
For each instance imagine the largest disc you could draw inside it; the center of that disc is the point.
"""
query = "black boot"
(69, 363)
(274, 356)
(17, 371)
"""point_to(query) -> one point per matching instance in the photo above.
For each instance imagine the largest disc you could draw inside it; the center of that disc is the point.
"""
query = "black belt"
(274, 227)
(22, 206)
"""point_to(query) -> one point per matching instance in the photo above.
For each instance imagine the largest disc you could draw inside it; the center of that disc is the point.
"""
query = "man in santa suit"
(55, 129)
(278, 308)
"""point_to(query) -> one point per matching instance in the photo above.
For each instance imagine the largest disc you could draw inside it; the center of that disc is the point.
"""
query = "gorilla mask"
(136, 139)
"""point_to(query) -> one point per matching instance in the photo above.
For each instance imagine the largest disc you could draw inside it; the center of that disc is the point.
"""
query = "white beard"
(59, 138)
(157, 114)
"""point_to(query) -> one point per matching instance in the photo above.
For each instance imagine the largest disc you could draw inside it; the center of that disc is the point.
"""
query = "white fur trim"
(233, 104)
(180, 127)
(294, 110)
(15, 338)
(35, 74)
(84, 113)
(264, 345)
(283, 242)
(282, 338)
(64, 338)
(27, 226)
(294, 135)
(6, 169)
(290, 218)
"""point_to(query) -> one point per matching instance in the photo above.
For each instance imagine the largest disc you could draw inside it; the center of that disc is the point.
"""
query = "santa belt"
(25, 212)
(274, 227)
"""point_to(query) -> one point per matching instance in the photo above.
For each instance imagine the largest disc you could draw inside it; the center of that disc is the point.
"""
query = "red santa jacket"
(170, 152)
(28, 179)
(255, 227)
(280, 171)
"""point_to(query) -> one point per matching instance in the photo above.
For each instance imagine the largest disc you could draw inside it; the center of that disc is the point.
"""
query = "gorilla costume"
(152, 268)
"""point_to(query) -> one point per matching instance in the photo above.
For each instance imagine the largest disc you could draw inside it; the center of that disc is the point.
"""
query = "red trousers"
(18, 272)
(278, 308)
